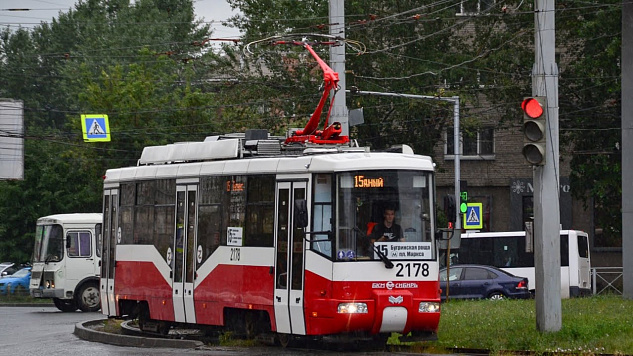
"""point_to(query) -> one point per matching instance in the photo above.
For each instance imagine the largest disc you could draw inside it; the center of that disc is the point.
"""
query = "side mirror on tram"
(301, 213)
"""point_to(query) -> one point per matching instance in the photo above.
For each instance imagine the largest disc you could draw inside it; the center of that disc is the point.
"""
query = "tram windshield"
(387, 210)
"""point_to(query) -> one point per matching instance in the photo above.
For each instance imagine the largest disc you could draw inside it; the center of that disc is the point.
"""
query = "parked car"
(17, 283)
(7, 268)
(480, 282)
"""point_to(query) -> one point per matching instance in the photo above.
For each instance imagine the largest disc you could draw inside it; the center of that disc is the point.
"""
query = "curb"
(84, 331)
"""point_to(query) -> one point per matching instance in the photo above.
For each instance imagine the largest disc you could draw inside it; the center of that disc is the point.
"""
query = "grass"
(592, 325)
(23, 298)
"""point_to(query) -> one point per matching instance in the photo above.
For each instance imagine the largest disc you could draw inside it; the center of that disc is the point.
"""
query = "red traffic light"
(532, 108)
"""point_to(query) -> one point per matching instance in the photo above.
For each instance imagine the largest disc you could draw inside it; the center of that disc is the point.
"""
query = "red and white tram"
(247, 233)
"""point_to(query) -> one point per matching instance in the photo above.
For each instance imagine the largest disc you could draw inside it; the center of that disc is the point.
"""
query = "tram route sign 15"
(95, 128)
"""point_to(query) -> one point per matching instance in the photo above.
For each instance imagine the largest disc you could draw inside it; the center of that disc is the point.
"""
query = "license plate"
(37, 294)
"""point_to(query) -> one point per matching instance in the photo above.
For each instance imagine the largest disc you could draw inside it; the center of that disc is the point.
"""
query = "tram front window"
(384, 208)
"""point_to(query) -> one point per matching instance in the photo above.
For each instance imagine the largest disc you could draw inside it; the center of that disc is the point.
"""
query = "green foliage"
(590, 111)
(135, 63)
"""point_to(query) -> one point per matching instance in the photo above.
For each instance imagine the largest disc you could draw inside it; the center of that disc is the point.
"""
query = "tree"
(590, 109)
(138, 63)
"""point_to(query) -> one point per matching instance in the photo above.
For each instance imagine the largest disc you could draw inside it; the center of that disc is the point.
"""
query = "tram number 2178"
(235, 254)
(415, 269)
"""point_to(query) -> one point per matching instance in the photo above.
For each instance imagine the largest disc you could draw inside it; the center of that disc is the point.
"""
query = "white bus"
(507, 250)
(66, 261)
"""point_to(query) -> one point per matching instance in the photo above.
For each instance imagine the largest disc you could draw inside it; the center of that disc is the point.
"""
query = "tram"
(271, 235)
(235, 230)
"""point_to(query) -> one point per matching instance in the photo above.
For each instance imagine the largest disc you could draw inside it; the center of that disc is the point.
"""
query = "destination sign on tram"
(405, 250)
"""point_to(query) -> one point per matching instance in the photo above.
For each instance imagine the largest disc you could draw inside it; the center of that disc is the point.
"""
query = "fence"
(606, 280)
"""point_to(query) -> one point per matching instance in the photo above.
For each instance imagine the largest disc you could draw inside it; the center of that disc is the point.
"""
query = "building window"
(474, 7)
(473, 145)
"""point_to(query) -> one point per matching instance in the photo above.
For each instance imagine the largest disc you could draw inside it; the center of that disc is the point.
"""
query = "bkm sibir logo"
(390, 285)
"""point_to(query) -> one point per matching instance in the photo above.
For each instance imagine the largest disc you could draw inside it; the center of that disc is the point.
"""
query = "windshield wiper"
(383, 257)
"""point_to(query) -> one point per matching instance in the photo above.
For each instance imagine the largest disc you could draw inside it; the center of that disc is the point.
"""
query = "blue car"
(481, 282)
(17, 282)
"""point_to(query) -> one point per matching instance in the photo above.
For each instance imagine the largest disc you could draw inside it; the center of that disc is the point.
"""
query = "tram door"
(184, 253)
(289, 264)
(111, 234)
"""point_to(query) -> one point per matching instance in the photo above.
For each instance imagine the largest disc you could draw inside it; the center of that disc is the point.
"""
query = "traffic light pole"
(337, 62)
(546, 177)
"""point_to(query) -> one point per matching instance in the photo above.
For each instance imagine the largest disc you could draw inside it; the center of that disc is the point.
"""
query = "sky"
(213, 11)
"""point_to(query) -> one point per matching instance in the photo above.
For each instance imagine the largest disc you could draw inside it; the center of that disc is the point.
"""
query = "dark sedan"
(480, 282)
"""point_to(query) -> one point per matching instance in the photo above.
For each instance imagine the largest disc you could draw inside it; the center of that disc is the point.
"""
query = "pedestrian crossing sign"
(472, 217)
(95, 128)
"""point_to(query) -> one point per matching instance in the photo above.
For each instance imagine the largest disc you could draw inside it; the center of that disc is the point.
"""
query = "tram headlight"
(352, 308)
(429, 307)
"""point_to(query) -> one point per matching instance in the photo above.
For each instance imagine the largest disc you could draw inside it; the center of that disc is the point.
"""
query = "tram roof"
(232, 155)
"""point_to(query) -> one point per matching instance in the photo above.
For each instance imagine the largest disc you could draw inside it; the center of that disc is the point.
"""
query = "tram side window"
(209, 229)
(164, 200)
(144, 221)
(212, 213)
(260, 208)
(127, 200)
(164, 228)
(235, 186)
(322, 214)
(144, 213)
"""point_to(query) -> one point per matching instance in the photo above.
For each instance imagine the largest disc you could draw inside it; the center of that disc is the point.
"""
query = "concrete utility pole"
(337, 63)
(627, 148)
(546, 177)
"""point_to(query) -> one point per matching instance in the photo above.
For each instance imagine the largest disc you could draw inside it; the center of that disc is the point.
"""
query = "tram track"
(322, 344)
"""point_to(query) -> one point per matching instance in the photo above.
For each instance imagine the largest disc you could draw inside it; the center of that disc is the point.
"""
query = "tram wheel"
(163, 327)
(65, 305)
(250, 325)
(143, 317)
(286, 340)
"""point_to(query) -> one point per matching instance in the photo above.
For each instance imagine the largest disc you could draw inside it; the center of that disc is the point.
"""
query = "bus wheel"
(65, 305)
(88, 298)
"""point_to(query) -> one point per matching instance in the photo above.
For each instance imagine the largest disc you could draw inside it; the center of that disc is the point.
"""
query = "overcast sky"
(213, 11)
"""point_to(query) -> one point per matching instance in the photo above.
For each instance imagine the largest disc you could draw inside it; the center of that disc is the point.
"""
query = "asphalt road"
(44, 330)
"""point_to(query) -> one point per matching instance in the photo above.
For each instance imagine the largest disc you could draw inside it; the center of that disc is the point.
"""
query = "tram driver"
(387, 230)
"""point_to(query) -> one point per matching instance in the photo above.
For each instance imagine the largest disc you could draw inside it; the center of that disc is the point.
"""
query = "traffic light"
(534, 124)
(449, 208)
(463, 202)
(463, 196)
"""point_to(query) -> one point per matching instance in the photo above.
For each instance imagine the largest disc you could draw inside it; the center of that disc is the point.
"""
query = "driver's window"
(322, 214)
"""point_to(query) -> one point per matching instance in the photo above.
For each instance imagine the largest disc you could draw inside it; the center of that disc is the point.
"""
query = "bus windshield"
(49, 243)
(390, 210)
